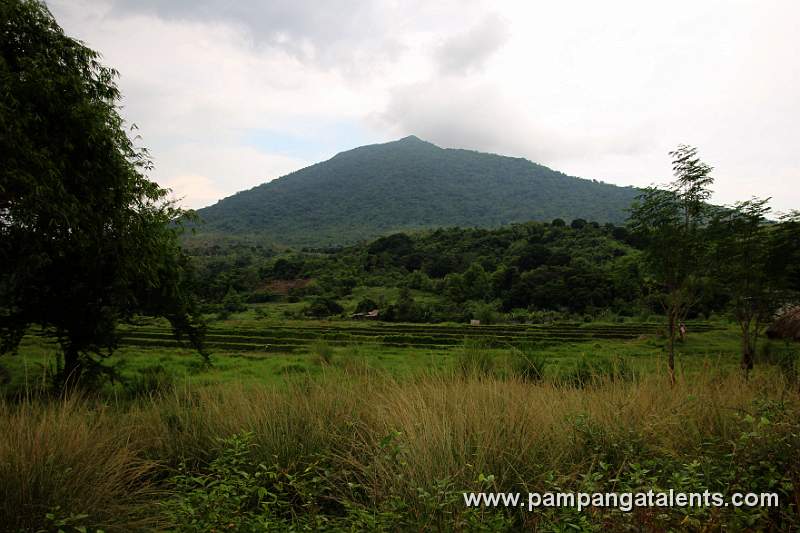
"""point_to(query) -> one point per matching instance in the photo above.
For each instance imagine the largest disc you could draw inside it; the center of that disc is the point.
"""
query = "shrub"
(233, 302)
(237, 494)
(323, 307)
(366, 305)
(485, 312)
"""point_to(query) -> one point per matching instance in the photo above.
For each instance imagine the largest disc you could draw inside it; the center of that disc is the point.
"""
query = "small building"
(474, 322)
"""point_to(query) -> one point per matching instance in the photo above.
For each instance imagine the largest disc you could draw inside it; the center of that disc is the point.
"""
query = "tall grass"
(528, 363)
(77, 456)
(474, 359)
(380, 439)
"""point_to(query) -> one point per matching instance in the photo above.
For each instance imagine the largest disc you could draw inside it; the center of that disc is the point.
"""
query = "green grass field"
(246, 349)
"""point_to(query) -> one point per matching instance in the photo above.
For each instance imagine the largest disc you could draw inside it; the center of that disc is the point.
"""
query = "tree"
(745, 251)
(86, 240)
(671, 223)
(578, 223)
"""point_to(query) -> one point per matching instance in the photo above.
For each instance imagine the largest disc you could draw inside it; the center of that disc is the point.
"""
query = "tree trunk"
(72, 366)
(671, 347)
(747, 352)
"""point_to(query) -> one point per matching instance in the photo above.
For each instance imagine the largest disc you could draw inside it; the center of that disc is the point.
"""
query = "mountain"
(409, 184)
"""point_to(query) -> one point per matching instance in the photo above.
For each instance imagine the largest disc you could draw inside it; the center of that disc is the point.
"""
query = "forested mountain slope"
(409, 184)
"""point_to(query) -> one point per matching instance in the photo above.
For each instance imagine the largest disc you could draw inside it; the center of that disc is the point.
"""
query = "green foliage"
(365, 305)
(406, 309)
(86, 239)
(235, 493)
(321, 307)
(57, 521)
(233, 302)
(746, 250)
(486, 313)
(672, 224)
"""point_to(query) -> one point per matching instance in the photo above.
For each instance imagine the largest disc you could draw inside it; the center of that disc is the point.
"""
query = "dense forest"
(517, 272)
(406, 185)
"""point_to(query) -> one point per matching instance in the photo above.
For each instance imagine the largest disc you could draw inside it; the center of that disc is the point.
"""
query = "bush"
(236, 494)
(233, 302)
(366, 305)
(323, 307)
(485, 312)
(406, 309)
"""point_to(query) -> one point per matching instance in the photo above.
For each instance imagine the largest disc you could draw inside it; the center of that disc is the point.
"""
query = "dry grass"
(392, 437)
(71, 454)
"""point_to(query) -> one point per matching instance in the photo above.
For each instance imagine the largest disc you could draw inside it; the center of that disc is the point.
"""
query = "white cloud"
(600, 90)
(469, 51)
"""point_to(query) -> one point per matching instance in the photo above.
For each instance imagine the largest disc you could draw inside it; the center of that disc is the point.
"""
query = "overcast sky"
(228, 94)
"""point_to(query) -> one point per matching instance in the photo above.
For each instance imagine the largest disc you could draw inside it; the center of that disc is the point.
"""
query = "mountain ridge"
(409, 184)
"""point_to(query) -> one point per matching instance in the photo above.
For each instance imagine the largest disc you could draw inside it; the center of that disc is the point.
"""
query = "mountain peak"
(412, 140)
(410, 184)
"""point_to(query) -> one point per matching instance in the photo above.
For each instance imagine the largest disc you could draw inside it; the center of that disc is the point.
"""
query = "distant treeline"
(578, 267)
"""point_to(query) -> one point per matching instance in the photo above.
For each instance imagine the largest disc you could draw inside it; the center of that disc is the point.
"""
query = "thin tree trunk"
(671, 347)
(72, 366)
(747, 351)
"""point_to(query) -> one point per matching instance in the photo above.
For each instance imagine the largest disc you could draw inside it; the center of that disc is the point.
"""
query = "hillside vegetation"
(409, 184)
(443, 275)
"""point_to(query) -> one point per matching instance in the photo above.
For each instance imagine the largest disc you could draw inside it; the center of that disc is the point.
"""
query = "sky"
(228, 94)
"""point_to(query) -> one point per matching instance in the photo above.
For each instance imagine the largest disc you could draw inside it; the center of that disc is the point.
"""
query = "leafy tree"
(365, 305)
(322, 307)
(233, 302)
(578, 223)
(406, 309)
(785, 262)
(286, 269)
(748, 250)
(671, 223)
(86, 240)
